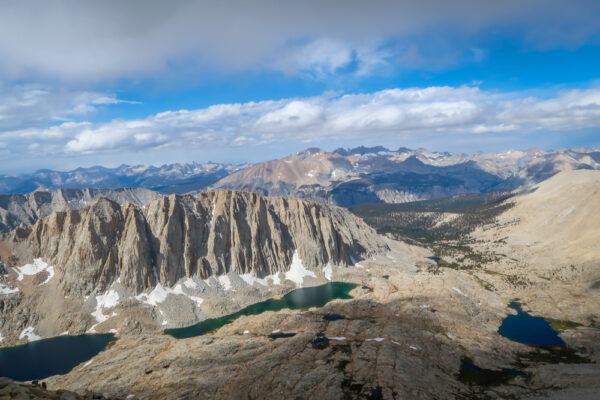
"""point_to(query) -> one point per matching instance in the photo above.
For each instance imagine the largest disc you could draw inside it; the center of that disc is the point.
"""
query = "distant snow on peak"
(167, 178)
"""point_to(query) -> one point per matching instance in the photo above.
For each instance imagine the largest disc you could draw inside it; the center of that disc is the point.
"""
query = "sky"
(153, 82)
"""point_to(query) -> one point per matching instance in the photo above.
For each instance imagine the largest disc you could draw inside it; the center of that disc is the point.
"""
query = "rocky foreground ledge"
(10, 389)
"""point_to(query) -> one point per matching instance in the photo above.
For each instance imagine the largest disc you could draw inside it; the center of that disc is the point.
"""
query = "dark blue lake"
(47, 357)
(527, 329)
(316, 296)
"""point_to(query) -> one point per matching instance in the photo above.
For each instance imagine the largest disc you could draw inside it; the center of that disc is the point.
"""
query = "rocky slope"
(170, 263)
(25, 209)
(184, 236)
(403, 335)
(377, 175)
(23, 391)
(554, 226)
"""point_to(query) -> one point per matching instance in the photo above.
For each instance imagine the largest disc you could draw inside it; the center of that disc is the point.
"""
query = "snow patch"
(246, 332)
(179, 291)
(225, 282)
(297, 271)
(108, 300)
(28, 333)
(7, 290)
(328, 271)
(190, 283)
(339, 338)
(113, 331)
(33, 269)
(160, 293)
(157, 295)
(250, 279)
(355, 263)
(457, 290)
(87, 363)
(377, 339)
(64, 333)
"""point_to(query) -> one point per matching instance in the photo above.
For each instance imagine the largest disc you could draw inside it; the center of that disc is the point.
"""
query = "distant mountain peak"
(360, 150)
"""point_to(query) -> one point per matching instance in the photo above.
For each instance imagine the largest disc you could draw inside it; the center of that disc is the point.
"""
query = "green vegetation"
(562, 325)
(443, 225)
(483, 283)
(424, 221)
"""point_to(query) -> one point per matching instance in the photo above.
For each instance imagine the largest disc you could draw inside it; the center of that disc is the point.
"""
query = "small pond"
(302, 298)
(435, 259)
(53, 356)
(527, 329)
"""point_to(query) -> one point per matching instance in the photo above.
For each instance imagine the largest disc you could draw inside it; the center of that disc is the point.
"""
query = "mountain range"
(346, 177)
(343, 177)
(432, 280)
(168, 178)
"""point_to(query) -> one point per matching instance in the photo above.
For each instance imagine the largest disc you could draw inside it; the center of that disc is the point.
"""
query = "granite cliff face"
(25, 209)
(182, 236)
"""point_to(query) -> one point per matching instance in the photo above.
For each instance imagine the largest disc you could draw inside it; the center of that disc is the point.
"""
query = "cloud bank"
(387, 114)
(103, 40)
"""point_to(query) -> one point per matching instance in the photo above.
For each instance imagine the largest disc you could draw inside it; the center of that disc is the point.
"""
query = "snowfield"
(33, 269)
(28, 333)
(297, 272)
(7, 290)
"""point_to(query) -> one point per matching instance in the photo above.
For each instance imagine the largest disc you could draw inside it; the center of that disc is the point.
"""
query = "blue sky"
(150, 82)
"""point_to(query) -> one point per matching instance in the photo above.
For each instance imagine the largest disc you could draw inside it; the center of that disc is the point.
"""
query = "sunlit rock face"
(182, 236)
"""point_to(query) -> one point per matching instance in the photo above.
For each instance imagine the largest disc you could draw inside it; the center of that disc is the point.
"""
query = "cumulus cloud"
(23, 106)
(74, 40)
(384, 114)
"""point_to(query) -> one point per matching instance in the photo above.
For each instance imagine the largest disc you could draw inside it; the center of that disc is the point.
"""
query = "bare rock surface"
(36, 390)
(25, 209)
(404, 333)
(173, 262)
(183, 236)
(347, 177)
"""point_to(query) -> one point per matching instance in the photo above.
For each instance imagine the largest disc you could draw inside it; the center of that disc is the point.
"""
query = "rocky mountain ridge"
(25, 209)
(184, 236)
(168, 178)
(377, 175)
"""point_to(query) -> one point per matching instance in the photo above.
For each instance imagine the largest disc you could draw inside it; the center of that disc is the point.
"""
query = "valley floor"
(404, 335)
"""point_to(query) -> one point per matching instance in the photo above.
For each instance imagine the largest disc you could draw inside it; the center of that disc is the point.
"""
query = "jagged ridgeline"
(25, 209)
(177, 236)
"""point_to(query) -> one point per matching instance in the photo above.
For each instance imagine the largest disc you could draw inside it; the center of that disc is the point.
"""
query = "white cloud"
(22, 106)
(384, 114)
(293, 115)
